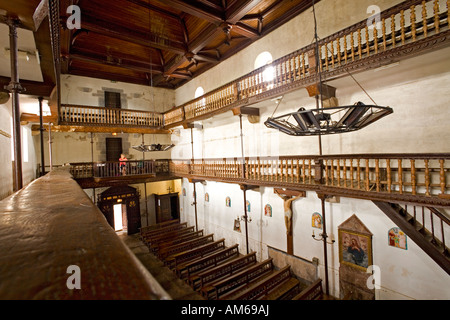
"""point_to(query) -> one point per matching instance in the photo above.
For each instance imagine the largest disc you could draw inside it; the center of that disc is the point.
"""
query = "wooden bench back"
(312, 292)
(190, 244)
(194, 253)
(187, 270)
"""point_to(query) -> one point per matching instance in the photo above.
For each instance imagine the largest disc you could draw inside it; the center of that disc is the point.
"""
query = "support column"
(41, 129)
(15, 88)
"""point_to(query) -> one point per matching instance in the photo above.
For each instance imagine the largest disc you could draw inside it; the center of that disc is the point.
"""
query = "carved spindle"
(359, 44)
(338, 49)
(393, 30)
(377, 174)
(427, 177)
(424, 19)
(358, 172)
(352, 45)
(413, 22)
(326, 172)
(402, 25)
(351, 174)
(292, 171)
(400, 176)
(442, 176)
(436, 16)
(309, 171)
(375, 39)
(338, 172)
(345, 49)
(345, 173)
(297, 173)
(304, 171)
(332, 172)
(332, 54)
(303, 64)
(413, 177)
(367, 175)
(383, 26)
(367, 41)
(448, 13)
(389, 176)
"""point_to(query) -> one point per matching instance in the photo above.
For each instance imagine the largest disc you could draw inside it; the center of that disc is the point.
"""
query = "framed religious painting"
(355, 249)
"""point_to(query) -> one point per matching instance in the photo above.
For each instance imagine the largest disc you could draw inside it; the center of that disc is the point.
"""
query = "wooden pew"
(154, 233)
(275, 286)
(190, 244)
(166, 235)
(191, 268)
(216, 290)
(155, 247)
(174, 260)
(156, 226)
(200, 280)
(313, 292)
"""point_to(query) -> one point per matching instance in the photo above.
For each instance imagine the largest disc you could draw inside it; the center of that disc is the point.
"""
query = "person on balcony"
(123, 164)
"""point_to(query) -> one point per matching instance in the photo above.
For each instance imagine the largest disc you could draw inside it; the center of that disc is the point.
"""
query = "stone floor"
(175, 287)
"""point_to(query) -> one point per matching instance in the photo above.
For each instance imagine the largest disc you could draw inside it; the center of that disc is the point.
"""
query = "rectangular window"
(112, 99)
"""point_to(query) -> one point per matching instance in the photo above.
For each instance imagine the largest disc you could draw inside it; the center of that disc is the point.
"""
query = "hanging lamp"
(330, 120)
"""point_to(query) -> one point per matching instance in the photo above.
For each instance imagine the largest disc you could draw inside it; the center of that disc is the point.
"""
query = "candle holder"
(243, 218)
(323, 237)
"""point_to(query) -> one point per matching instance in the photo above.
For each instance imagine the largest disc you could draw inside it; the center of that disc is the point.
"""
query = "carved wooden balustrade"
(414, 178)
(100, 116)
(111, 169)
(405, 30)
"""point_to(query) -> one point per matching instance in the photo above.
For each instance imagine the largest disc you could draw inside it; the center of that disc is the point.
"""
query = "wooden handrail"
(421, 177)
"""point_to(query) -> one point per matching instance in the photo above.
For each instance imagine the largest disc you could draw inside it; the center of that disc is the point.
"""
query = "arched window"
(198, 93)
(265, 58)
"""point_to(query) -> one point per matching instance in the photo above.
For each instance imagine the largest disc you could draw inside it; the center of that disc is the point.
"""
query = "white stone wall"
(417, 90)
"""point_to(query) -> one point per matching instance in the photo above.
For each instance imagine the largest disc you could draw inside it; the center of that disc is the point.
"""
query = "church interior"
(235, 149)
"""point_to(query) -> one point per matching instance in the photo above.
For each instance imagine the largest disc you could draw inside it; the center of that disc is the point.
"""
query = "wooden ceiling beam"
(151, 40)
(199, 10)
(245, 30)
(33, 88)
(116, 62)
(239, 9)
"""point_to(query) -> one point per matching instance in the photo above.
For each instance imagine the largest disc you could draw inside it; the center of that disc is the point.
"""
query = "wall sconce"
(243, 218)
(323, 237)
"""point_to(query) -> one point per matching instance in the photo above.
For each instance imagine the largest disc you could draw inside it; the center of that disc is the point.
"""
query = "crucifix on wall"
(288, 197)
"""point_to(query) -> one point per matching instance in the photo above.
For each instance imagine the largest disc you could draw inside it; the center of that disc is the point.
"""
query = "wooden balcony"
(111, 119)
(406, 30)
(110, 173)
(420, 179)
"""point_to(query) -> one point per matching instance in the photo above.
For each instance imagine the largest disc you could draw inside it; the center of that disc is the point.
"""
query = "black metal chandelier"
(328, 120)
(153, 147)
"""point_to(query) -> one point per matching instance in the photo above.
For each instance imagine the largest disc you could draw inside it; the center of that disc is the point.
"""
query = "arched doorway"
(120, 205)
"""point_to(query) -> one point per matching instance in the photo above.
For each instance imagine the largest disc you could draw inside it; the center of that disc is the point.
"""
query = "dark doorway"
(126, 200)
(112, 99)
(113, 149)
(167, 207)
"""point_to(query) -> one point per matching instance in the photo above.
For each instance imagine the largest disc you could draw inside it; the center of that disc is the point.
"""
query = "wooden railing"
(412, 25)
(100, 116)
(110, 169)
(405, 176)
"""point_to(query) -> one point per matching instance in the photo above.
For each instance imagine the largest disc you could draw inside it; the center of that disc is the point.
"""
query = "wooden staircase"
(218, 272)
(424, 225)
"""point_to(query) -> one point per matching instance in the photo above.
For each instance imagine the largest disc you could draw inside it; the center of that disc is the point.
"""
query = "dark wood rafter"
(183, 34)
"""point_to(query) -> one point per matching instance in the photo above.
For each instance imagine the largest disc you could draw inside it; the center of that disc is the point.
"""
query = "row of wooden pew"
(218, 272)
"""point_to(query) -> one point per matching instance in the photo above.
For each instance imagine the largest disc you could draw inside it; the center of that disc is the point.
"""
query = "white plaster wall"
(28, 167)
(90, 92)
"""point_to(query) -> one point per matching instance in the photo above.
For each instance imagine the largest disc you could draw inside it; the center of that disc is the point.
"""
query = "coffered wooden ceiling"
(165, 43)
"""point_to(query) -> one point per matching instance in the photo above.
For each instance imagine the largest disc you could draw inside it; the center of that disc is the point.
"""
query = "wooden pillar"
(41, 129)
(15, 88)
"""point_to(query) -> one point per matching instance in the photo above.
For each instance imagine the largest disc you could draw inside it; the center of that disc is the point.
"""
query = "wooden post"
(41, 129)
(15, 88)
